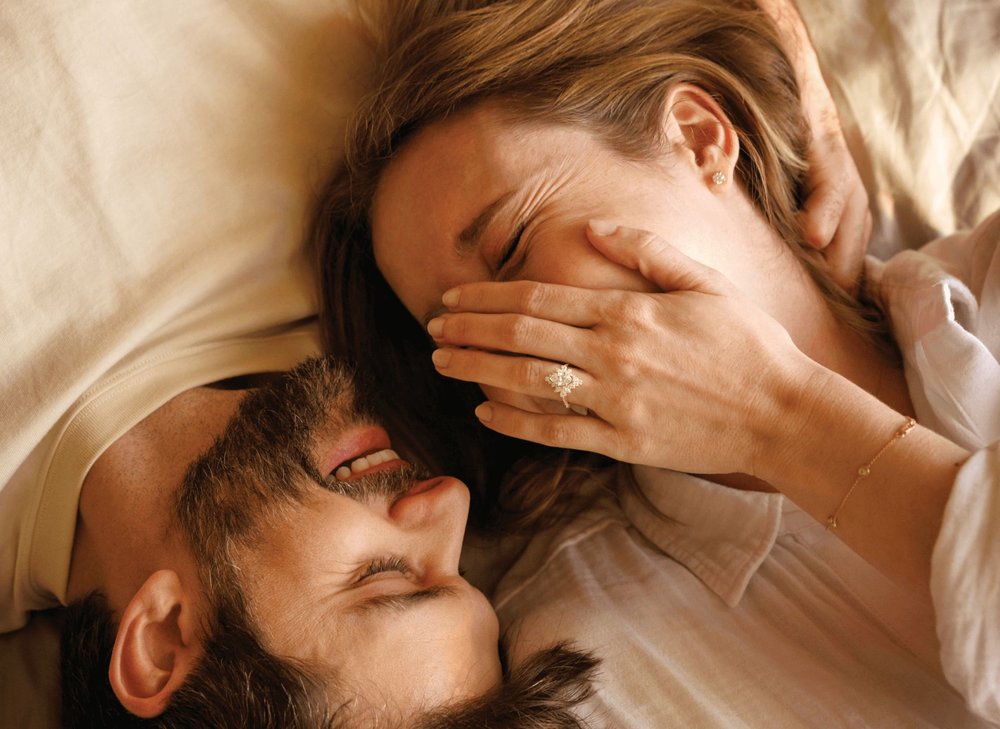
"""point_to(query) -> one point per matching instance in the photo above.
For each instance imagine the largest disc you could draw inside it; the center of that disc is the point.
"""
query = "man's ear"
(157, 645)
(696, 125)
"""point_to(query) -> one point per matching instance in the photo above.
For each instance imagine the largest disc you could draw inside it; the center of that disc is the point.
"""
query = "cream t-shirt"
(158, 164)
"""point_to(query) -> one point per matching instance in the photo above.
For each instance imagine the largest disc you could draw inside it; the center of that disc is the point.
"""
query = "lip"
(353, 443)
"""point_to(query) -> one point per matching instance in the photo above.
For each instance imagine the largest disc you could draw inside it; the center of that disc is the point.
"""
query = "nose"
(433, 514)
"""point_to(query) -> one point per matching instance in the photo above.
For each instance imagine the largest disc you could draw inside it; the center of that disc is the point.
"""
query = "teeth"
(381, 457)
(360, 465)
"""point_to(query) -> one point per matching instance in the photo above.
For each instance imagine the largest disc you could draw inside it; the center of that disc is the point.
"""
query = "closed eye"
(385, 564)
(511, 248)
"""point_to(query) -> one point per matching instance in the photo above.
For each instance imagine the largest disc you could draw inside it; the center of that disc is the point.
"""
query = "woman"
(543, 144)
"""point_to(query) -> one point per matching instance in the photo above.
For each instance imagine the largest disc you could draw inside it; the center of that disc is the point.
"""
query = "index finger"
(565, 304)
(846, 253)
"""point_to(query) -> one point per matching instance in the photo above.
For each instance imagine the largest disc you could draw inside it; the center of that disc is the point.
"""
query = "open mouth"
(365, 464)
(360, 452)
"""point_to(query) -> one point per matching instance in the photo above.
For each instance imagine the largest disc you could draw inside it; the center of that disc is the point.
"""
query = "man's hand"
(835, 218)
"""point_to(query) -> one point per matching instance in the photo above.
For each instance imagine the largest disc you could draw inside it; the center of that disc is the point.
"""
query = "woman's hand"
(699, 379)
(693, 379)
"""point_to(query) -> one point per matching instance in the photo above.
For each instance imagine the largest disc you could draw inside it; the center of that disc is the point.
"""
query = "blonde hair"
(602, 65)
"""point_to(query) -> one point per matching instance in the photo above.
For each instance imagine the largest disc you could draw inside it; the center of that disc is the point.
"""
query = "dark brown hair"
(238, 684)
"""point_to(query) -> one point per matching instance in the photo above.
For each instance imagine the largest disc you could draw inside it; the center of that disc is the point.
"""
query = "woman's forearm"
(893, 516)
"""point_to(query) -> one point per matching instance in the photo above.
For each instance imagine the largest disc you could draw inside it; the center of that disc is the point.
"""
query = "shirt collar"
(720, 534)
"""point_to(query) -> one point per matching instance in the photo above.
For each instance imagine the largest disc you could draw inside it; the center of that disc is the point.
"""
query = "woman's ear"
(696, 124)
(157, 645)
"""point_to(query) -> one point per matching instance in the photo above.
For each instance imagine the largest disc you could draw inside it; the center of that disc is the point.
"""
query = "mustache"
(391, 483)
(264, 457)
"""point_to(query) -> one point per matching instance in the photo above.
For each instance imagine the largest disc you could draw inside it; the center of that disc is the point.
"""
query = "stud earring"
(719, 177)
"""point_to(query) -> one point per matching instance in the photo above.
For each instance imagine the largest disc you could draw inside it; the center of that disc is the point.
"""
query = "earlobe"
(157, 645)
(694, 121)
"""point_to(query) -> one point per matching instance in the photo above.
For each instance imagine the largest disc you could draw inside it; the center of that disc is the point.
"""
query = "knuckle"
(519, 331)
(556, 431)
(532, 298)
(629, 371)
(633, 444)
(646, 239)
(631, 410)
(627, 445)
(455, 327)
(634, 313)
(625, 309)
(528, 373)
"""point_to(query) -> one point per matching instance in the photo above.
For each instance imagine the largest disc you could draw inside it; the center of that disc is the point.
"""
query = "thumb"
(658, 261)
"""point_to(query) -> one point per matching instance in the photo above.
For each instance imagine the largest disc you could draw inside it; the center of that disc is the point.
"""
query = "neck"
(821, 335)
(817, 331)
(120, 540)
(857, 357)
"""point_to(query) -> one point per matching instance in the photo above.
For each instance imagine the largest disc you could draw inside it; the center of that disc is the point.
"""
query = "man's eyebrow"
(403, 601)
(469, 239)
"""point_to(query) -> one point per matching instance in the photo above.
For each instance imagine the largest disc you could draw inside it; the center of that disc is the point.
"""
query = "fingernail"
(603, 227)
(435, 327)
(441, 358)
(450, 297)
(485, 412)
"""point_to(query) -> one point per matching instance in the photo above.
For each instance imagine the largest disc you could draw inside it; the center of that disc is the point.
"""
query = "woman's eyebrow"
(469, 239)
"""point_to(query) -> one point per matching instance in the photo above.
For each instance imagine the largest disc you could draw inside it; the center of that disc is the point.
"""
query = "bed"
(127, 127)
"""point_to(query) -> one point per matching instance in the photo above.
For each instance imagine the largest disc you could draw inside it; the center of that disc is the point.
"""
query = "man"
(264, 558)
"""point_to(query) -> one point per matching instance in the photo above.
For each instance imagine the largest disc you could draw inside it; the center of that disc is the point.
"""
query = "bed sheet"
(120, 118)
(917, 86)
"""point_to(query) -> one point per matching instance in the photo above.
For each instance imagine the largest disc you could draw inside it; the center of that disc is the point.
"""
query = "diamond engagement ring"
(563, 381)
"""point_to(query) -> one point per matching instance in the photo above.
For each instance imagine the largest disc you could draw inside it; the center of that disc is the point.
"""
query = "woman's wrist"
(796, 417)
(832, 430)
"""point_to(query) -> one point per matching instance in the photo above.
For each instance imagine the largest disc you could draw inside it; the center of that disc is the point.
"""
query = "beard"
(265, 462)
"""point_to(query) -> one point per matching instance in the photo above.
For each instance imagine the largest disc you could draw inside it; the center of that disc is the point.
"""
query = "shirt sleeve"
(965, 567)
(965, 584)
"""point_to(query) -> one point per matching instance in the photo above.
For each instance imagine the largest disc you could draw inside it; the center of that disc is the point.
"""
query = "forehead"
(462, 163)
(443, 178)
(439, 168)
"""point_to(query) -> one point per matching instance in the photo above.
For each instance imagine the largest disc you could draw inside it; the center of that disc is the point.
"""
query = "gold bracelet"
(865, 470)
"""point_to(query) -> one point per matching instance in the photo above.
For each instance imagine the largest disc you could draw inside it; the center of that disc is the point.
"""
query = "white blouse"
(743, 611)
